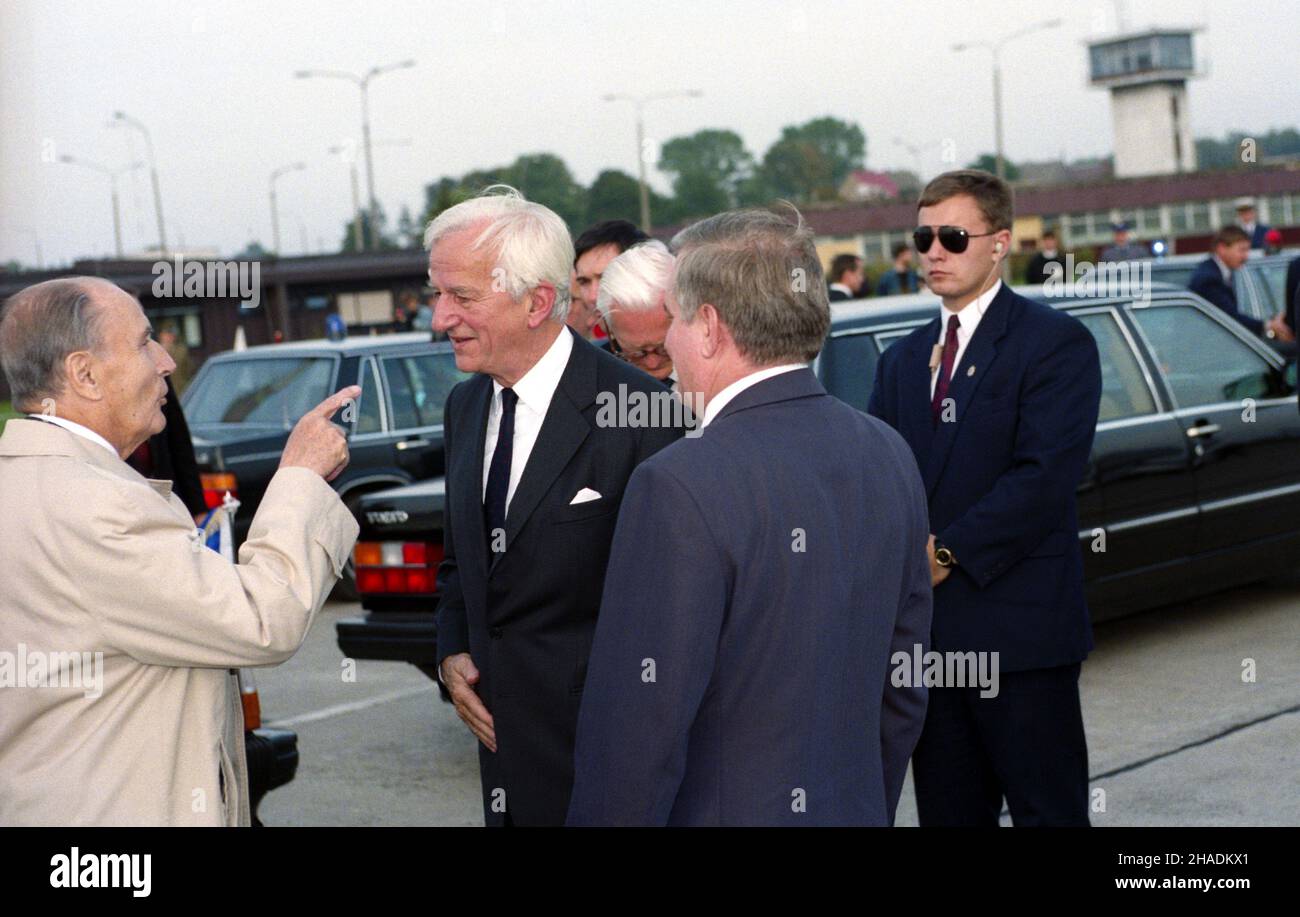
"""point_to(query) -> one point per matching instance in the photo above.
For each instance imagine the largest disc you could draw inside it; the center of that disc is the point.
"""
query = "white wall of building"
(1152, 130)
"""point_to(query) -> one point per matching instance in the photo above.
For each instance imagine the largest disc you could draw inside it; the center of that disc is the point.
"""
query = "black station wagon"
(242, 405)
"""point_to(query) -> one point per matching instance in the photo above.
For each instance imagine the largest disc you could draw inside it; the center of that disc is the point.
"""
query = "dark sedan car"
(1260, 285)
(242, 405)
(1193, 484)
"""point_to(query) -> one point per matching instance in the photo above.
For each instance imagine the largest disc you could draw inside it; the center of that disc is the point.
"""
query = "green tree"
(409, 234)
(440, 195)
(614, 195)
(372, 239)
(1228, 152)
(708, 169)
(544, 178)
(797, 170)
(540, 177)
(989, 163)
(909, 183)
(810, 161)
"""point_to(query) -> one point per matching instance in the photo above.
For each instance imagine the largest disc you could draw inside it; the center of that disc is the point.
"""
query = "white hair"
(635, 279)
(532, 245)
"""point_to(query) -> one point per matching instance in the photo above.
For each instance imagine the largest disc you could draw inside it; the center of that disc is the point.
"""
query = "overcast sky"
(214, 84)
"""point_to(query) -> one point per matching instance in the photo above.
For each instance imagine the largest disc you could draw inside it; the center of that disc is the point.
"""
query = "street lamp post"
(36, 239)
(358, 241)
(363, 83)
(344, 152)
(123, 118)
(275, 213)
(640, 102)
(995, 48)
(112, 184)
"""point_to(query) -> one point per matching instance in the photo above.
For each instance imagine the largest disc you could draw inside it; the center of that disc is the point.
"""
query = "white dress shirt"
(1224, 270)
(535, 390)
(78, 429)
(968, 319)
(723, 398)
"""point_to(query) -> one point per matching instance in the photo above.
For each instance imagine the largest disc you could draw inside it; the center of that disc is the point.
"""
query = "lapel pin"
(971, 371)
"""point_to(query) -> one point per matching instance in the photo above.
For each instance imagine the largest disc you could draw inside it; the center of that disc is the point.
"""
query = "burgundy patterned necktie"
(945, 370)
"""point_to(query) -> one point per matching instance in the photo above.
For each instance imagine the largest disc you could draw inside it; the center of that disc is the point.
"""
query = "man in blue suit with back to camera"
(998, 399)
(763, 575)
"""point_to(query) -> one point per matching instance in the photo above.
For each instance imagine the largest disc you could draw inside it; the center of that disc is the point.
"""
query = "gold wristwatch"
(944, 557)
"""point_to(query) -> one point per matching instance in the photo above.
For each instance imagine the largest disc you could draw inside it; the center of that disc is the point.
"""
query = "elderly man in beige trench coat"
(118, 630)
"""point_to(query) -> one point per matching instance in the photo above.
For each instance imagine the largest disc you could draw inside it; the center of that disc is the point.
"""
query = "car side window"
(1271, 278)
(1203, 361)
(1124, 391)
(418, 386)
(849, 368)
(368, 414)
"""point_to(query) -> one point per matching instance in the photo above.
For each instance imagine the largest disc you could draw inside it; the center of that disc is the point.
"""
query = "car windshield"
(272, 392)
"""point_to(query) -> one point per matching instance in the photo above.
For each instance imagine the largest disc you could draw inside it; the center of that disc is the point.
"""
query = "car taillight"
(216, 485)
(248, 698)
(396, 567)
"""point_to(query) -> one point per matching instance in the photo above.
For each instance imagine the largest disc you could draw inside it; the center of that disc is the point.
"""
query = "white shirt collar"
(78, 429)
(536, 387)
(970, 315)
(724, 397)
(843, 289)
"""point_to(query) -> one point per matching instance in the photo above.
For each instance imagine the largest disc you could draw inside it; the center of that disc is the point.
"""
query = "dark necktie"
(945, 370)
(498, 483)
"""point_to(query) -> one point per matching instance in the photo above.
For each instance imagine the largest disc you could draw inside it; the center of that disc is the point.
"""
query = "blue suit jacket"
(761, 578)
(1001, 477)
(1207, 281)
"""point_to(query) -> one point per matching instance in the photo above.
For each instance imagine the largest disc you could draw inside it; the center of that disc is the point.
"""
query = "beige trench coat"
(95, 559)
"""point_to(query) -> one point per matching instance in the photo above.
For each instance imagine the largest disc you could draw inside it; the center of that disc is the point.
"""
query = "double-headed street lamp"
(124, 119)
(275, 213)
(363, 83)
(995, 47)
(112, 184)
(640, 102)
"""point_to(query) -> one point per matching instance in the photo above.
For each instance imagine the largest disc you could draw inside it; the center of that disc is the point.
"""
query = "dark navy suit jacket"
(1207, 281)
(761, 578)
(527, 616)
(1001, 477)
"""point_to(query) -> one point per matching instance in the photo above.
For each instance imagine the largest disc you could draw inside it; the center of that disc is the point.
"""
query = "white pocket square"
(586, 495)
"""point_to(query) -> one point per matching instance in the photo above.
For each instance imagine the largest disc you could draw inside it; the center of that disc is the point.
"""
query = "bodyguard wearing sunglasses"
(998, 399)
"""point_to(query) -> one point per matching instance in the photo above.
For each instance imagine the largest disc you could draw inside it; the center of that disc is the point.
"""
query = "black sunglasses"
(953, 238)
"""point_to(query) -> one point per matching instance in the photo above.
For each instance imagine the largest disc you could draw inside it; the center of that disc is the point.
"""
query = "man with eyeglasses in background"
(631, 305)
(1001, 432)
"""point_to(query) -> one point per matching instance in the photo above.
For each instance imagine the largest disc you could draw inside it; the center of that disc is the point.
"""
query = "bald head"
(81, 348)
(40, 326)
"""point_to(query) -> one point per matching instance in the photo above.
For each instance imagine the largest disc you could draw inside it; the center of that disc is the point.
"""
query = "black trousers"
(1026, 745)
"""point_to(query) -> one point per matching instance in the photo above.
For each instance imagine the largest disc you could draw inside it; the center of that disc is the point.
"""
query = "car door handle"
(412, 444)
(1203, 429)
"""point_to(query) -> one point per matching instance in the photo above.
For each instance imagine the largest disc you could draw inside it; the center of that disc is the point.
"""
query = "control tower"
(1146, 73)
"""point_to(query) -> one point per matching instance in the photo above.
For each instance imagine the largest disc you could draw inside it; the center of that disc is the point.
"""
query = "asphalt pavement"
(1176, 736)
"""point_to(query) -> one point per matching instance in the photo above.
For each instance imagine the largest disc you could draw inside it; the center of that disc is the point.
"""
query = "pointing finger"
(331, 404)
